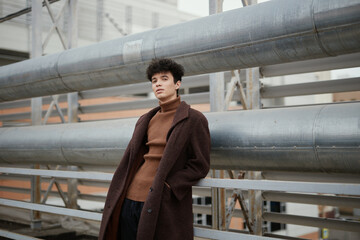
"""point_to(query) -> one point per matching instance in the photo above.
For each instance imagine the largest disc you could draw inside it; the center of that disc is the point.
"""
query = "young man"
(150, 194)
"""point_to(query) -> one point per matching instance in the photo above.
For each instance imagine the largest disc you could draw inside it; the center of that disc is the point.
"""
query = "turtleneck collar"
(170, 105)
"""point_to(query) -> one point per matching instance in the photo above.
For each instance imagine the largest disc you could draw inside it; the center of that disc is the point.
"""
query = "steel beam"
(273, 32)
(322, 138)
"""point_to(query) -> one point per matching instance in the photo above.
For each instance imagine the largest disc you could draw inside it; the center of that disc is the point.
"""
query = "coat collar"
(181, 113)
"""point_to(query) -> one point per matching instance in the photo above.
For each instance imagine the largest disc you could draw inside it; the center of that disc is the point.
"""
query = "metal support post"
(250, 100)
(128, 20)
(36, 106)
(99, 19)
(72, 191)
(253, 88)
(216, 79)
(255, 205)
(214, 203)
(217, 105)
(73, 99)
(254, 102)
(216, 92)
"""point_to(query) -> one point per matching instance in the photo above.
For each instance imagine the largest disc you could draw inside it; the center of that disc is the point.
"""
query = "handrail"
(332, 188)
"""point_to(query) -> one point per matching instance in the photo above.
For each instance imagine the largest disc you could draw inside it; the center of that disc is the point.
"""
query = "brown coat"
(167, 213)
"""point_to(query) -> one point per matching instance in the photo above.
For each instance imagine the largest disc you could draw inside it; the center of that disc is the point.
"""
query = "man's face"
(164, 87)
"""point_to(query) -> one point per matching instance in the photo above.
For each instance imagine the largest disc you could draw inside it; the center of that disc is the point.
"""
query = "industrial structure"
(261, 158)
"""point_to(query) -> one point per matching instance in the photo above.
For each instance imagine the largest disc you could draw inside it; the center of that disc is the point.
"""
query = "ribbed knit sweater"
(158, 128)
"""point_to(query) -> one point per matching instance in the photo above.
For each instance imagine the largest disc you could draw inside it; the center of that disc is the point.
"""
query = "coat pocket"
(167, 193)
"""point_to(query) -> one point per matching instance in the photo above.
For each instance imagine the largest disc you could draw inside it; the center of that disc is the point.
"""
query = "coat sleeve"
(197, 165)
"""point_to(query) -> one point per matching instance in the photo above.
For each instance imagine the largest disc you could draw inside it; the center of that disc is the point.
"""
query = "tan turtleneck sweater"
(158, 128)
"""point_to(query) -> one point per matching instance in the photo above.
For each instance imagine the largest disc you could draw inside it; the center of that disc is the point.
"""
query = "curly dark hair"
(159, 65)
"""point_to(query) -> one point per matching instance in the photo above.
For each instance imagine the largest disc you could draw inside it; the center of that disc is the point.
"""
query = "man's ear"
(177, 84)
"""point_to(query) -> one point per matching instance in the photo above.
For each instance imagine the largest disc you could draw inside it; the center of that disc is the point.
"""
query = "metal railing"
(273, 190)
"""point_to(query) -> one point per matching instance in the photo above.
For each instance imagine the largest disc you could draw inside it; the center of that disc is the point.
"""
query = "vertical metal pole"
(216, 105)
(217, 92)
(36, 104)
(255, 199)
(253, 88)
(73, 98)
(73, 23)
(28, 25)
(254, 101)
(128, 19)
(99, 19)
(217, 87)
(215, 202)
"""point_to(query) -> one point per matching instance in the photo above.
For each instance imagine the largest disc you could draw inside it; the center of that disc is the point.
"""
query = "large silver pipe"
(273, 32)
(304, 139)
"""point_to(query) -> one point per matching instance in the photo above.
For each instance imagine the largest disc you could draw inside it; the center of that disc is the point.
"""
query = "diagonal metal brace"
(55, 25)
(53, 103)
(237, 195)
(55, 22)
(61, 193)
(235, 83)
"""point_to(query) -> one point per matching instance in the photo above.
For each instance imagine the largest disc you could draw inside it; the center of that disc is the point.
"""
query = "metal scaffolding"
(307, 154)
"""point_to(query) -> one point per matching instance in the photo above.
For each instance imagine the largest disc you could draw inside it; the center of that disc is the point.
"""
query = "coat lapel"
(181, 113)
(174, 141)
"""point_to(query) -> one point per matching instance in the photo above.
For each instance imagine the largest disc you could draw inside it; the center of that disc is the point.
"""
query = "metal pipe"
(306, 139)
(273, 32)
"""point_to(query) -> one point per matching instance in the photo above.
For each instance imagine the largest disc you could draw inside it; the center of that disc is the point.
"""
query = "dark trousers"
(129, 219)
